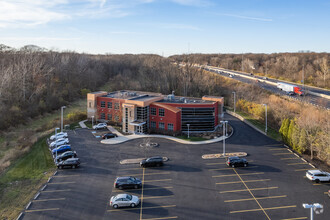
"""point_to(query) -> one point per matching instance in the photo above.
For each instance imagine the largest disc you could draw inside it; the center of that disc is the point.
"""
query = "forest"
(34, 82)
(307, 67)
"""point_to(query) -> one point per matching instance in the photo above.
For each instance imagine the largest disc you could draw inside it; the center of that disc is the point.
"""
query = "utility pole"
(242, 63)
(234, 101)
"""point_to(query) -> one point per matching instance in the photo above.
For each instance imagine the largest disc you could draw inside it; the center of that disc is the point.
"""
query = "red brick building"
(140, 112)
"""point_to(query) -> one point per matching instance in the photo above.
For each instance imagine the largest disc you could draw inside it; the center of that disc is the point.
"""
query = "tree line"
(310, 68)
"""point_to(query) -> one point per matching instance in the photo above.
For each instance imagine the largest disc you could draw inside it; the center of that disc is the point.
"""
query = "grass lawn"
(23, 178)
(192, 138)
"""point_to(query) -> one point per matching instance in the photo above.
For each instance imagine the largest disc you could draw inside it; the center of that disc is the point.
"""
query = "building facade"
(142, 112)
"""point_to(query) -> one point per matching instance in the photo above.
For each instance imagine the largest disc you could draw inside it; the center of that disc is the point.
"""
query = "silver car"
(124, 200)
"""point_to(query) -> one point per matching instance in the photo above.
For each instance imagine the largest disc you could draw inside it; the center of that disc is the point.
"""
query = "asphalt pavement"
(186, 187)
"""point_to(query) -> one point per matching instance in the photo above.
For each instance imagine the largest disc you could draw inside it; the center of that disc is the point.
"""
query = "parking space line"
(295, 218)
(295, 163)
(209, 164)
(45, 200)
(142, 194)
(272, 208)
(242, 190)
(61, 183)
(66, 176)
(325, 193)
(230, 168)
(247, 181)
(152, 207)
(166, 187)
(59, 190)
(259, 198)
(302, 169)
(131, 169)
(150, 181)
(42, 210)
(244, 174)
(251, 194)
(160, 218)
(148, 174)
(289, 158)
(279, 149)
(157, 197)
(282, 153)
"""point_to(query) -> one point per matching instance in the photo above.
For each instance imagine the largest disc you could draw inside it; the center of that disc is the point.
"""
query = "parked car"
(58, 136)
(109, 135)
(124, 200)
(236, 162)
(318, 175)
(100, 126)
(66, 155)
(61, 149)
(152, 161)
(71, 162)
(59, 142)
(127, 182)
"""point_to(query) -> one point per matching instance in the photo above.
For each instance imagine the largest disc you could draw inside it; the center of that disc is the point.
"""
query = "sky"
(167, 27)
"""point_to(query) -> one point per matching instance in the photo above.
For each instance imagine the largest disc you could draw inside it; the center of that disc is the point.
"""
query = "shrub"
(76, 116)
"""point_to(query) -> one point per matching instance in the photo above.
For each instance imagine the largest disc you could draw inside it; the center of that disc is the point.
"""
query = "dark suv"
(152, 162)
(236, 162)
(127, 182)
(65, 155)
(109, 135)
(71, 162)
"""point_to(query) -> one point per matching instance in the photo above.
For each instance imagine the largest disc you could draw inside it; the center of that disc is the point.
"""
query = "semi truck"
(290, 89)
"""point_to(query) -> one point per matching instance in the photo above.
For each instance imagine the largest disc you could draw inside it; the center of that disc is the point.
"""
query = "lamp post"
(266, 117)
(224, 123)
(312, 207)
(56, 141)
(188, 129)
(234, 101)
(92, 121)
(63, 107)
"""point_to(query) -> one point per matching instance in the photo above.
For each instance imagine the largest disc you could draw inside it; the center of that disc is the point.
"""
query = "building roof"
(171, 108)
(187, 100)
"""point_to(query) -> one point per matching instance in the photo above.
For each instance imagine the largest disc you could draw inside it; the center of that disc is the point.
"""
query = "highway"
(313, 95)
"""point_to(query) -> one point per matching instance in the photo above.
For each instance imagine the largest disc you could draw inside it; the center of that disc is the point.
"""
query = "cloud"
(247, 17)
(27, 13)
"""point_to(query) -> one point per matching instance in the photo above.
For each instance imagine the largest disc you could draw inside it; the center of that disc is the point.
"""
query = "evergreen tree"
(295, 136)
(302, 141)
(290, 131)
(284, 130)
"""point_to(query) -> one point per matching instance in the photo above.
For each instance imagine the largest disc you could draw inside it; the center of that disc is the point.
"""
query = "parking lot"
(273, 186)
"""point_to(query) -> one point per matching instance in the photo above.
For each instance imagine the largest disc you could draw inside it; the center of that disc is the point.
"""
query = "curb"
(216, 156)
(37, 195)
(20, 215)
(49, 179)
(43, 188)
(28, 206)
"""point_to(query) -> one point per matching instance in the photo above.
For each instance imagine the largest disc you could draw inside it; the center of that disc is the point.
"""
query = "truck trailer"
(290, 89)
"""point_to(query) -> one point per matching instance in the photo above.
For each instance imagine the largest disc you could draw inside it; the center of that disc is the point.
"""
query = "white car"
(124, 200)
(58, 136)
(100, 126)
(59, 142)
(318, 175)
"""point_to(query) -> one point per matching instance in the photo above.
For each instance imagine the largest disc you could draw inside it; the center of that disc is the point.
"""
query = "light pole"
(266, 117)
(188, 129)
(234, 101)
(63, 107)
(92, 121)
(224, 123)
(312, 207)
(56, 142)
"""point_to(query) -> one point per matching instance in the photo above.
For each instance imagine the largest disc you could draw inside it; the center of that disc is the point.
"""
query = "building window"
(161, 112)
(102, 115)
(90, 104)
(161, 125)
(116, 106)
(153, 124)
(153, 111)
(170, 127)
(110, 117)
(109, 104)
(102, 104)
(117, 118)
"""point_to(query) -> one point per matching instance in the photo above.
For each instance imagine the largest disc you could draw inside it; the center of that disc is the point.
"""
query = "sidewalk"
(123, 138)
